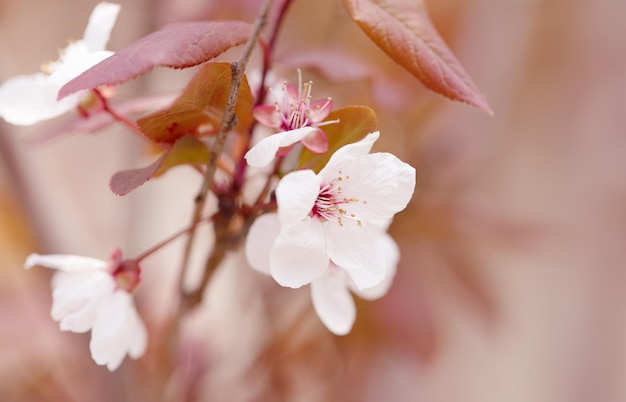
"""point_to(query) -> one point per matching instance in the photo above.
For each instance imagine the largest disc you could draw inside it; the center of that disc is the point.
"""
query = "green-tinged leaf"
(354, 123)
(405, 32)
(187, 150)
(199, 109)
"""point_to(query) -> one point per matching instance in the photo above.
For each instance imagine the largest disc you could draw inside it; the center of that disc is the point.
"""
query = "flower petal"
(267, 115)
(260, 240)
(100, 25)
(296, 194)
(316, 142)
(391, 255)
(333, 302)
(320, 109)
(346, 154)
(355, 249)
(117, 331)
(262, 153)
(382, 184)
(75, 59)
(67, 263)
(76, 298)
(299, 256)
(29, 99)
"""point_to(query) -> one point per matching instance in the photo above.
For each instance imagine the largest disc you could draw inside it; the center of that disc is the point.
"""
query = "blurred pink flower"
(90, 294)
(29, 99)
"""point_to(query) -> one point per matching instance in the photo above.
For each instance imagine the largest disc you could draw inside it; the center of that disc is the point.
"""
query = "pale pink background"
(512, 285)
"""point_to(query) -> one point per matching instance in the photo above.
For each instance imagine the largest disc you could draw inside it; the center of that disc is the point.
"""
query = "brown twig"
(228, 121)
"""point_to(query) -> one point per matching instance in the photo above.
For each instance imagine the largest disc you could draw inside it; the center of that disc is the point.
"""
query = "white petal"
(333, 302)
(67, 263)
(382, 184)
(262, 153)
(75, 59)
(117, 331)
(29, 99)
(100, 25)
(299, 254)
(296, 194)
(347, 153)
(260, 240)
(391, 255)
(354, 248)
(76, 298)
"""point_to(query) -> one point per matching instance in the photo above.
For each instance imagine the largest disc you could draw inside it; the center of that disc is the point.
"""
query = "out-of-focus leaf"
(176, 45)
(126, 181)
(199, 109)
(404, 31)
(339, 66)
(354, 123)
(187, 149)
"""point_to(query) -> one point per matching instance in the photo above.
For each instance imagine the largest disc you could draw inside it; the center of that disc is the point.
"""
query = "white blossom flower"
(333, 217)
(90, 294)
(29, 99)
(330, 293)
(297, 118)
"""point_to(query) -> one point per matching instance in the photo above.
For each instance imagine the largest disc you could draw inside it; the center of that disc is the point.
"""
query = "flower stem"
(117, 116)
(228, 121)
(268, 56)
(167, 241)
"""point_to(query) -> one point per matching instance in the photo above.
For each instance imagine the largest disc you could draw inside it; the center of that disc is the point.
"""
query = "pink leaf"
(176, 45)
(126, 181)
(404, 31)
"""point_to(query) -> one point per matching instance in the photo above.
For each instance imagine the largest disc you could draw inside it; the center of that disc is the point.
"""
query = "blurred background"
(512, 283)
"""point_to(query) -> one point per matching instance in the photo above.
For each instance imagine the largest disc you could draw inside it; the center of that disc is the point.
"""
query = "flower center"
(295, 108)
(331, 203)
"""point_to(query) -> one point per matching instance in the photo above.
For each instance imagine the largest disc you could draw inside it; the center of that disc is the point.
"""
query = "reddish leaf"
(404, 31)
(177, 46)
(354, 123)
(126, 181)
(199, 109)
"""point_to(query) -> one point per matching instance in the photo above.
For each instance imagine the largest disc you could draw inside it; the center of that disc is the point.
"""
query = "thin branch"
(168, 240)
(268, 57)
(228, 121)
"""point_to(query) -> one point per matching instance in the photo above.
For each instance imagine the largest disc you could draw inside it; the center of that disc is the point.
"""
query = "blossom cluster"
(330, 229)
(326, 228)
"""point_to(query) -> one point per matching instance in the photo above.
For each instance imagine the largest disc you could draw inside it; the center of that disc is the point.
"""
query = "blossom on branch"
(298, 120)
(29, 99)
(90, 294)
(327, 229)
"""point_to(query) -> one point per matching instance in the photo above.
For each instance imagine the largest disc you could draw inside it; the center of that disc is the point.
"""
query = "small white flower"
(29, 99)
(333, 217)
(87, 296)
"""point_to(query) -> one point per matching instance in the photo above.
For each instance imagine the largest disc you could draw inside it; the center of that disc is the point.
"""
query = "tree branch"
(229, 120)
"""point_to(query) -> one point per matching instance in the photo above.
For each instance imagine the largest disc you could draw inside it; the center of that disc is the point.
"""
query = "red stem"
(169, 239)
